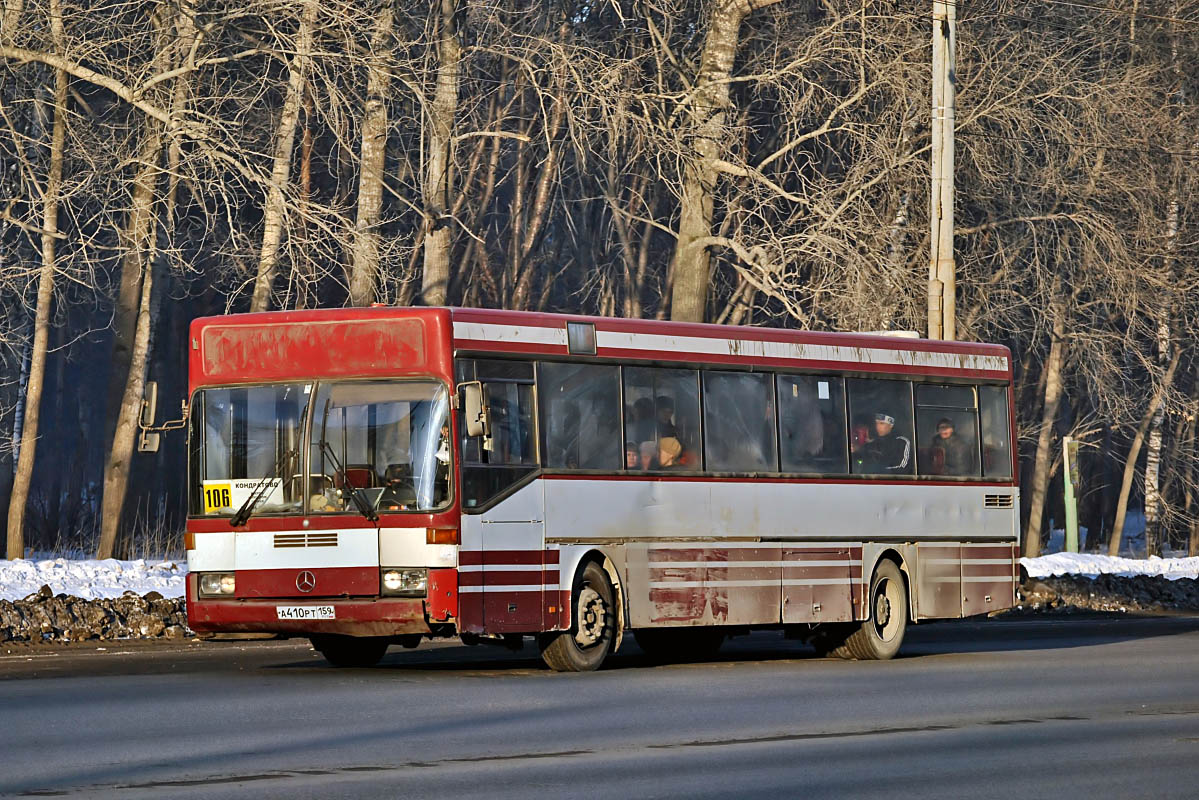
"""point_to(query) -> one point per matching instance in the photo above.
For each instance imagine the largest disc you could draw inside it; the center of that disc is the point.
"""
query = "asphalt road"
(1091, 708)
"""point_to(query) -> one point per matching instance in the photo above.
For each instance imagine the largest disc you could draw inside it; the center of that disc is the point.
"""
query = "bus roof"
(347, 342)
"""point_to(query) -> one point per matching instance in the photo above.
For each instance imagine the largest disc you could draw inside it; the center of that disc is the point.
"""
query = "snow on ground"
(1090, 565)
(111, 578)
(90, 580)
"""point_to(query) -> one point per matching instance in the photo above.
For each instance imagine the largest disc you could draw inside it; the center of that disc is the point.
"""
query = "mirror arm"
(171, 425)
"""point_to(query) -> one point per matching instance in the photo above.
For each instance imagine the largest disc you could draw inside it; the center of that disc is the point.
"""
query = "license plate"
(305, 612)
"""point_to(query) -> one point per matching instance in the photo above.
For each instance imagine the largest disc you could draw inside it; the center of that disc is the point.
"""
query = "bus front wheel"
(350, 651)
(879, 637)
(593, 627)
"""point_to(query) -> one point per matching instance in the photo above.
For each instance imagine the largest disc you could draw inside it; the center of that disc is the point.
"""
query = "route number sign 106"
(223, 496)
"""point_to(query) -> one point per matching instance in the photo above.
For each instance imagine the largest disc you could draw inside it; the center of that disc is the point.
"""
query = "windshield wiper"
(357, 495)
(261, 489)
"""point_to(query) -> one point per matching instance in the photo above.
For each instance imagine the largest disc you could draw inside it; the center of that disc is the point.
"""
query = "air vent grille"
(997, 501)
(314, 539)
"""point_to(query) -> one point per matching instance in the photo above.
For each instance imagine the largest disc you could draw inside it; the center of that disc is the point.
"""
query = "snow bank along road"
(1049, 708)
(112, 578)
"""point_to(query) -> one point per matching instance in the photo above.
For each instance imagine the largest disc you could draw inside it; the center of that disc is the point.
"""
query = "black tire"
(679, 644)
(350, 651)
(593, 628)
(880, 636)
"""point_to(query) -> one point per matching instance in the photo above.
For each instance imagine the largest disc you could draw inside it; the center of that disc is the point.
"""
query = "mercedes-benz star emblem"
(305, 581)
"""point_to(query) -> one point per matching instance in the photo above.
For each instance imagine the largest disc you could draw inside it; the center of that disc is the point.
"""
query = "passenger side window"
(880, 427)
(739, 422)
(996, 433)
(947, 430)
(661, 418)
(812, 424)
(580, 416)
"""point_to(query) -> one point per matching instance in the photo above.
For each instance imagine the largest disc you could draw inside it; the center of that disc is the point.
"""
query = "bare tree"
(275, 207)
(438, 155)
(364, 269)
(15, 545)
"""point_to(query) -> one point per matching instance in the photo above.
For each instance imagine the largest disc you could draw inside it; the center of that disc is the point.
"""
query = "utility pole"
(1070, 492)
(942, 282)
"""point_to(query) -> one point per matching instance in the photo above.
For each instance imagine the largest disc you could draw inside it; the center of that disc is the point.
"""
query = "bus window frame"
(306, 444)
(537, 469)
(792, 477)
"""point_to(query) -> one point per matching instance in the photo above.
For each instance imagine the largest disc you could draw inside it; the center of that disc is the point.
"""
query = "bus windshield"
(246, 440)
(385, 441)
(389, 439)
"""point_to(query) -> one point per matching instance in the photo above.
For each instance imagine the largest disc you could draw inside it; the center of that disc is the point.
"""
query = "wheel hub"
(592, 613)
(882, 609)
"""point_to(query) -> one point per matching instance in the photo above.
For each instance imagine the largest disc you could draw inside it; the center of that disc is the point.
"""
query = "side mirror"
(148, 442)
(474, 409)
(149, 404)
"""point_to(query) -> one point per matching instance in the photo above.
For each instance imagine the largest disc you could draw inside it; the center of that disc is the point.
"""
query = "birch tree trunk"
(435, 279)
(1186, 446)
(23, 477)
(133, 242)
(274, 210)
(116, 470)
(1153, 455)
(140, 257)
(364, 269)
(1134, 450)
(709, 105)
(1042, 464)
(1153, 459)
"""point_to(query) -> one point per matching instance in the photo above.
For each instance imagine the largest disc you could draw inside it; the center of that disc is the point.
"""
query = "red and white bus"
(376, 476)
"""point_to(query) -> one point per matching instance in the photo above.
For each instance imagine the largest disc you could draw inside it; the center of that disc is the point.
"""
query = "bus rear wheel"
(593, 627)
(350, 651)
(679, 644)
(880, 636)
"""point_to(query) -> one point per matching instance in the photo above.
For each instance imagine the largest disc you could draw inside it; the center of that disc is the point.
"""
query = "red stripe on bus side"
(508, 578)
(471, 558)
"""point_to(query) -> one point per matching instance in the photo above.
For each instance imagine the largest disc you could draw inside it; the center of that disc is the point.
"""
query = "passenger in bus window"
(648, 453)
(950, 450)
(887, 451)
(632, 456)
(643, 414)
(669, 450)
(664, 406)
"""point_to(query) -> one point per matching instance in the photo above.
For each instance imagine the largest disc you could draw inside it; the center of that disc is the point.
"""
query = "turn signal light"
(189, 541)
(441, 536)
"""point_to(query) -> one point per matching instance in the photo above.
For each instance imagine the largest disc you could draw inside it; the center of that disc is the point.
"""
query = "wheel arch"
(575, 560)
(903, 556)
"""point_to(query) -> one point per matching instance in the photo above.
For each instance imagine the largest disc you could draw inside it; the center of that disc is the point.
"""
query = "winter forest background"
(747, 162)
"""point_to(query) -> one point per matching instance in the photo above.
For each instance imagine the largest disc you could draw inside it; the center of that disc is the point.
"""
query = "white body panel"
(622, 510)
(258, 550)
(699, 346)
(298, 549)
(407, 547)
(747, 553)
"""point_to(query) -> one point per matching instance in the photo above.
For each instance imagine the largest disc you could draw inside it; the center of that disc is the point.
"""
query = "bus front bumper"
(389, 616)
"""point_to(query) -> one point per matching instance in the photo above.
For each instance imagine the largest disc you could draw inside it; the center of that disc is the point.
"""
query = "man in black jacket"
(887, 451)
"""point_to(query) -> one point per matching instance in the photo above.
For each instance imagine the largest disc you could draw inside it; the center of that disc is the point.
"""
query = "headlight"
(405, 582)
(217, 583)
